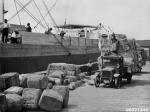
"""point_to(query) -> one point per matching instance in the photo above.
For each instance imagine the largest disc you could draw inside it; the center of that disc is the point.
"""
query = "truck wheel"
(117, 82)
(129, 78)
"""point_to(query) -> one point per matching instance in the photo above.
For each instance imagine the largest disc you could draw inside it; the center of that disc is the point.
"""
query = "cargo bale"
(2, 83)
(37, 81)
(72, 86)
(62, 67)
(14, 90)
(14, 102)
(23, 79)
(31, 97)
(3, 103)
(49, 86)
(71, 78)
(11, 79)
(51, 100)
(64, 91)
(57, 74)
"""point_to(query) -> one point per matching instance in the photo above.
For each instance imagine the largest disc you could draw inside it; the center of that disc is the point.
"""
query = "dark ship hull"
(32, 57)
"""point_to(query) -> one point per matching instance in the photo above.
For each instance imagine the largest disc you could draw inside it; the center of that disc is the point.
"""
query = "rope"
(17, 11)
(50, 15)
(20, 10)
(40, 13)
(46, 13)
(33, 17)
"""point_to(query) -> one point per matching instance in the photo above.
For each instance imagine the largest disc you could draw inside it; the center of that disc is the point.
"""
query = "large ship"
(37, 50)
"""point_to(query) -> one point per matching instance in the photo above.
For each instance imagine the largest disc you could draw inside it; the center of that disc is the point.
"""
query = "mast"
(1, 10)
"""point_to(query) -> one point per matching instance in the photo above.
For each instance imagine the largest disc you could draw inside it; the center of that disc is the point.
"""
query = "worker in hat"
(28, 28)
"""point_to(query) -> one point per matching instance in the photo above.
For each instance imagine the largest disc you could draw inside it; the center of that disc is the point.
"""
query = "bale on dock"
(14, 90)
(62, 67)
(55, 81)
(75, 85)
(11, 79)
(71, 78)
(49, 86)
(31, 97)
(14, 102)
(64, 91)
(51, 100)
(2, 83)
(37, 81)
(3, 103)
(23, 80)
(57, 74)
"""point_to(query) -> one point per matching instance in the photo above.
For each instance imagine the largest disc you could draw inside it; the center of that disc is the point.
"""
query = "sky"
(130, 17)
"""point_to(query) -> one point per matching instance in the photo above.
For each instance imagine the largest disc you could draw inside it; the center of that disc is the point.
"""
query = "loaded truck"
(118, 60)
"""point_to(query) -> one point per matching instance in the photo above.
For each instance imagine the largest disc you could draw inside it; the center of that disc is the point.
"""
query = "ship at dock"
(35, 51)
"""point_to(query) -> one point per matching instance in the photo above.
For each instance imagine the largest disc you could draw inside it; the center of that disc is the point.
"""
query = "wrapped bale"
(51, 100)
(72, 86)
(64, 91)
(71, 78)
(14, 90)
(11, 79)
(14, 102)
(56, 81)
(63, 67)
(2, 83)
(37, 81)
(31, 97)
(75, 85)
(23, 80)
(3, 103)
(49, 86)
(57, 74)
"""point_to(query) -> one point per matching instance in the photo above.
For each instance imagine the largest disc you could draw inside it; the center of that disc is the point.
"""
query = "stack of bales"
(31, 93)
(126, 48)
(64, 74)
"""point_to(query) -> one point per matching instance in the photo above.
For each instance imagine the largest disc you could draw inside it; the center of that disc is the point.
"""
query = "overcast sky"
(130, 17)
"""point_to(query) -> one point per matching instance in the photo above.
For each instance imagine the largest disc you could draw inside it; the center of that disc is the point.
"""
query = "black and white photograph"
(74, 55)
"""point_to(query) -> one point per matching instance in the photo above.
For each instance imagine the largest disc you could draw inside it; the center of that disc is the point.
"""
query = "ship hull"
(32, 58)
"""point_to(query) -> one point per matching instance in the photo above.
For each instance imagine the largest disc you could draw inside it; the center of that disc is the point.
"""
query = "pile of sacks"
(31, 92)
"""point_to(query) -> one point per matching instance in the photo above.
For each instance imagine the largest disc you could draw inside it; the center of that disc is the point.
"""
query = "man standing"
(28, 28)
(5, 31)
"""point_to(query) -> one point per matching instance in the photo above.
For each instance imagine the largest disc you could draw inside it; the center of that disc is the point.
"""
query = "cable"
(40, 13)
(46, 13)
(50, 15)
(17, 11)
(33, 17)
(20, 9)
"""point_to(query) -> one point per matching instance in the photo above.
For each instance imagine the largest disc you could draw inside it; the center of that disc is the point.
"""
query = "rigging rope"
(50, 15)
(20, 10)
(40, 13)
(46, 14)
(33, 17)
(17, 11)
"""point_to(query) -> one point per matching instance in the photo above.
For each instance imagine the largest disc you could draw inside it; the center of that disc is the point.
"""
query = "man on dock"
(5, 31)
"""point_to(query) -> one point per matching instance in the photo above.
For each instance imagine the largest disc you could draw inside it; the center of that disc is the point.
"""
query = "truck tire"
(129, 78)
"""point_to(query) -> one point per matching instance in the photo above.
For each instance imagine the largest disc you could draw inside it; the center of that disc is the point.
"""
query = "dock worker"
(28, 28)
(115, 44)
(49, 31)
(62, 33)
(5, 31)
(15, 36)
